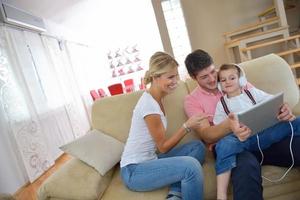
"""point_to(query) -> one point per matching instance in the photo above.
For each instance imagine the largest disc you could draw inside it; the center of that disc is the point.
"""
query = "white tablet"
(262, 115)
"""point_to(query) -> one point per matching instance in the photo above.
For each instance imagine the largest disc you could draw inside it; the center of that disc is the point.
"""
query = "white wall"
(105, 25)
(207, 21)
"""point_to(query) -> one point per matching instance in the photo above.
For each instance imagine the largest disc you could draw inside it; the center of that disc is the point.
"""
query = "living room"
(46, 76)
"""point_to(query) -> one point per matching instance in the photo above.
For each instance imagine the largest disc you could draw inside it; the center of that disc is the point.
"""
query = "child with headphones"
(238, 95)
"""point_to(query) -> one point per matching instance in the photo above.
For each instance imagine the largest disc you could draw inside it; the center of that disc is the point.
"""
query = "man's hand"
(285, 113)
(241, 131)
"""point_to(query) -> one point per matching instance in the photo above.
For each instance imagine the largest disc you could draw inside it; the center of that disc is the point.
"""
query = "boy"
(237, 97)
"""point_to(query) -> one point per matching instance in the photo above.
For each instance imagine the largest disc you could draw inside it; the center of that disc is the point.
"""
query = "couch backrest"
(175, 111)
(272, 74)
(112, 115)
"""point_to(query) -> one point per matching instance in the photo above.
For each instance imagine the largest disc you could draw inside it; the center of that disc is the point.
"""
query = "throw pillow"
(96, 149)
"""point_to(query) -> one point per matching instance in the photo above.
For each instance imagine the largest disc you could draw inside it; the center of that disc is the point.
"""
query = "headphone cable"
(292, 155)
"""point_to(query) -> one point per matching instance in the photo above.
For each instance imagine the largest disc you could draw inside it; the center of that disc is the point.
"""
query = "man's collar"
(208, 93)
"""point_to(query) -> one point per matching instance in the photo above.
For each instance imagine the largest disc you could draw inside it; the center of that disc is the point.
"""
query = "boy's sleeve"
(220, 114)
(191, 106)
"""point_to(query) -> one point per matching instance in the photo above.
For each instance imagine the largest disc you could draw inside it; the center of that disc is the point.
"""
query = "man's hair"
(197, 61)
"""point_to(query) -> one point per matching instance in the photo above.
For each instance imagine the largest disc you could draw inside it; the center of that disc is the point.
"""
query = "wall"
(103, 24)
(207, 21)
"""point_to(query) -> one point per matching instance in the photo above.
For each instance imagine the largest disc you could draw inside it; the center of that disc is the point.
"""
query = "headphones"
(242, 79)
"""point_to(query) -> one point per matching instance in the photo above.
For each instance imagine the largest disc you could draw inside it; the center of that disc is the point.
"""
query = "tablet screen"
(262, 115)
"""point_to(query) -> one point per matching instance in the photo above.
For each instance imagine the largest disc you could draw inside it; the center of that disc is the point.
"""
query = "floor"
(28, 192)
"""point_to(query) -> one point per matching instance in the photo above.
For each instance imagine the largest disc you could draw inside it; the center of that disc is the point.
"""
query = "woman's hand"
(285, 113)
(241, 131)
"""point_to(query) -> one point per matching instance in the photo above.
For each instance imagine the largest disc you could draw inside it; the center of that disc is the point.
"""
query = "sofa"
(112, 115)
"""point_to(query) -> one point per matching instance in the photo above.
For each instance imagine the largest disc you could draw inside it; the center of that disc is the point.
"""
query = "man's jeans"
(228, 147)
(246, 176)
(180, 168)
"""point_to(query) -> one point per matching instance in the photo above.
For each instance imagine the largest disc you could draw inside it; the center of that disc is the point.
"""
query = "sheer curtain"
(40, 99)
(88, 69)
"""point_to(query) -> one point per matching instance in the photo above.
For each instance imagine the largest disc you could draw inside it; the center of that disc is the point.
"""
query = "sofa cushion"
(117, 190)
(278, 74)
(75, 180)
(97, 150)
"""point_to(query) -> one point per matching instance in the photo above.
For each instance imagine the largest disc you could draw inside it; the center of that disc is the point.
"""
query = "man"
(246, 176)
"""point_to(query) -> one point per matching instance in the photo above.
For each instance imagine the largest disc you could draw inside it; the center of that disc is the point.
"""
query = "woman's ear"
(155, 79)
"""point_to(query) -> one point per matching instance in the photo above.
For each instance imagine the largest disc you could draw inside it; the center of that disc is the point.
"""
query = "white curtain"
(40, 98)
(88, 69)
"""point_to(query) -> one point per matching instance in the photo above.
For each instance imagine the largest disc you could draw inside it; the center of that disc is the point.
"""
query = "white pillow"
(96, 149)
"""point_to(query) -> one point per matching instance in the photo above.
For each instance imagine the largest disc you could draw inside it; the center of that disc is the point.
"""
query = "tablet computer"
(262, 115)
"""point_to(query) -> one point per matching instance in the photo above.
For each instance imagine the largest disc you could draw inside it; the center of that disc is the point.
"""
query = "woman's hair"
(160, 63)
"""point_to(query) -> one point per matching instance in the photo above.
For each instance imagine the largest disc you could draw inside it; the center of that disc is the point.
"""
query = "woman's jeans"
(228, 147)
(180, 168)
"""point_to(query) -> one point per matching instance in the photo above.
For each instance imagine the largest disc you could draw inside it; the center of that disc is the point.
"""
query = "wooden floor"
(28, 192)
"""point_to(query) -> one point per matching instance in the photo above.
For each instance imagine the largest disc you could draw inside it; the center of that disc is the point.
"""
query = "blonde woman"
(180, 168)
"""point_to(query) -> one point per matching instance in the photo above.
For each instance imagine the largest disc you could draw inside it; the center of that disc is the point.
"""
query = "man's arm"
(211, 134)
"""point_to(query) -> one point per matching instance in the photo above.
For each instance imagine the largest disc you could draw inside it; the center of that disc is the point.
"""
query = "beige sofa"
(112, 115)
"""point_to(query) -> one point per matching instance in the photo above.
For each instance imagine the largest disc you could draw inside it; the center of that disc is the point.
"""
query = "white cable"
(292, 155)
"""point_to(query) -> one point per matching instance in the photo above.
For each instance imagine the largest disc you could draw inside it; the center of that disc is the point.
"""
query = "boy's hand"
(241, 131)
(285, 113)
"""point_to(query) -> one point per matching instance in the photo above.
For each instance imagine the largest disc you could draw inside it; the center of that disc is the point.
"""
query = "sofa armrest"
(75, 180)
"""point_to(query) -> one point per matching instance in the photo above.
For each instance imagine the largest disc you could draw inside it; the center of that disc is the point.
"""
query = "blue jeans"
(179, 168)
(246, 178)
(228, 147)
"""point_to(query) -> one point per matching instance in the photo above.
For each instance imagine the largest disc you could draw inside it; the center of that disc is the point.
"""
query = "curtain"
(40, 98)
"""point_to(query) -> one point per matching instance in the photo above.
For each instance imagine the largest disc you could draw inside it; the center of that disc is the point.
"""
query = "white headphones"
(242, 79)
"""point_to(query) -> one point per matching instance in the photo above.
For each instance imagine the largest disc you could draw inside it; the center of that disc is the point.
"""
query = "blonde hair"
(160, 63)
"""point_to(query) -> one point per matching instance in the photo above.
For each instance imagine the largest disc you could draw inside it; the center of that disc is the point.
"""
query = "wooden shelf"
(253, 26)
(272, 10)
(255, 35)
(284, 53)
(270, 43)
(267, 11)
(296, 65)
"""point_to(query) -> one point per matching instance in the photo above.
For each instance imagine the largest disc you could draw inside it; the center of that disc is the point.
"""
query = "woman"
(141, 168)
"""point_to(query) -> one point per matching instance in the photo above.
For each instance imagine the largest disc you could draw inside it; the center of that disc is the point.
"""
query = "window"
(177, 32)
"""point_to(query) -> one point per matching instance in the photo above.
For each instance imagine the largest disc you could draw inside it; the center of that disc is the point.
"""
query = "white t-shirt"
(239, 103)
(140, 145)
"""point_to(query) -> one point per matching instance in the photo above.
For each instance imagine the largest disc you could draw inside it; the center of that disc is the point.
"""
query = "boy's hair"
(197, 61)
(229, 66)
